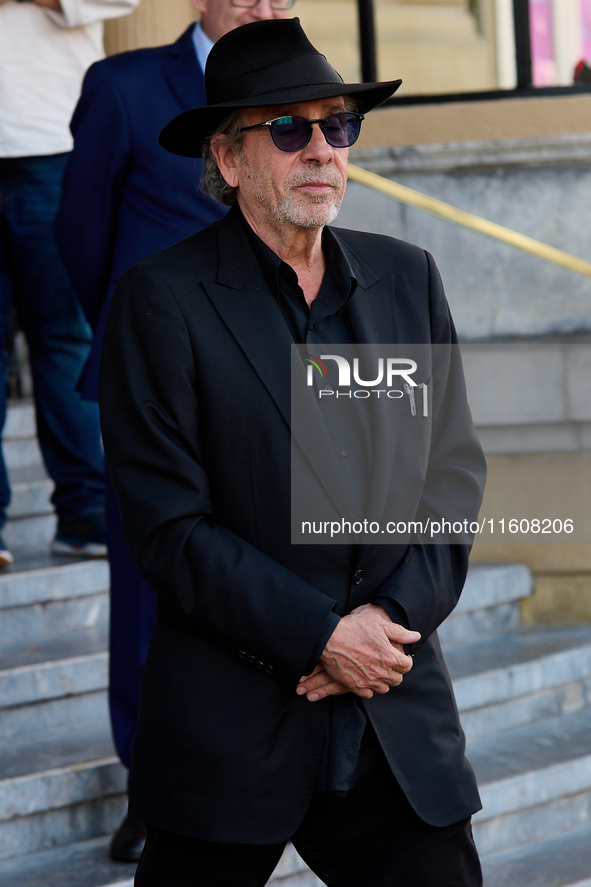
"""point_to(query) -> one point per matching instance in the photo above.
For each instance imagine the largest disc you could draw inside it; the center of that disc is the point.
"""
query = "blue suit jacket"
(124, 197)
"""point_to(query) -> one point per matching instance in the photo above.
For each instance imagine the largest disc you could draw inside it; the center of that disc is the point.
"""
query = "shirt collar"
(202, 45)
(272, 266)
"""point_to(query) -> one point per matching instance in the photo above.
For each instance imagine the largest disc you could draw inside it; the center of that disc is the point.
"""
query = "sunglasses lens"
(290, 133)
(342, 130)
(293, 133)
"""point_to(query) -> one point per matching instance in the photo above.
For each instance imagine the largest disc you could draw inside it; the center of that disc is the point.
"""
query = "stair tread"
(28, 474)
(36, 576)
(488, 585)
(62, 645)
(83, 864)
(56, 750)
(562, 860)
(37, 557)
(521, 645)
(87, 864)
(531, 748)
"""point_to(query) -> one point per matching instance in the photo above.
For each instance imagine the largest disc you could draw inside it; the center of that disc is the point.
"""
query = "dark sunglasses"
(294, 133)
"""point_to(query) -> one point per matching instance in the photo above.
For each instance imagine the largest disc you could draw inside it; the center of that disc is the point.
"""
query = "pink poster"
(586, 29)
(542, 41)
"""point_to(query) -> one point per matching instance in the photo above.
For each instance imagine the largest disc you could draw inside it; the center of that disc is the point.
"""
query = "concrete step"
(31, 492)
(526, 675)
(80, 864)
(86, 864)
(534, 781)
(59, 788)
(25, 722)
(21, 453)
(563, 860)
(28, 624)
(29, 532)
(36, 577)
(61, 665)
(489, 602)
(20, 421)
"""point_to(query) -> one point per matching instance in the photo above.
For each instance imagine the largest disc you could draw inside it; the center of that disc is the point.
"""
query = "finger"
(305, 677)
(399, 666)
(364, 693)
(400, 634)
(384, 688)
(314, 682)
(333, 688)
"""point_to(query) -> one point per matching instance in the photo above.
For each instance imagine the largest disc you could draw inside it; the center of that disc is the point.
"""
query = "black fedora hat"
(261, 64)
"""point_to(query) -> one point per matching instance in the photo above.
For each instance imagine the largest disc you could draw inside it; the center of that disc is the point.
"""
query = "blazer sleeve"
(428, 582)
(150, 417)
(85, 224)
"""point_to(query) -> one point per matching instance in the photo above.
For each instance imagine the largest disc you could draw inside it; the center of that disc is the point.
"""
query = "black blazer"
(195, 405)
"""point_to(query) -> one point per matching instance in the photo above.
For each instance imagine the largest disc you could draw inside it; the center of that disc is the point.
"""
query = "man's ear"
(227, 160)
(200, 5)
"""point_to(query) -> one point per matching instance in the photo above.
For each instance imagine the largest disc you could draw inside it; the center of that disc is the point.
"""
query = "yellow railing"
(467, 220)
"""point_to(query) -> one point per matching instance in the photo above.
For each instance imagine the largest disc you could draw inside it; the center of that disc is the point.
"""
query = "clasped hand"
(364, 655)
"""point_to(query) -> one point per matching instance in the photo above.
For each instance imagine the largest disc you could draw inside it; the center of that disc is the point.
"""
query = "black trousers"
(371, 838)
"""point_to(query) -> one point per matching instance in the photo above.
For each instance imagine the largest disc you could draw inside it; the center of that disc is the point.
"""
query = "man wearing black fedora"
(291, 691)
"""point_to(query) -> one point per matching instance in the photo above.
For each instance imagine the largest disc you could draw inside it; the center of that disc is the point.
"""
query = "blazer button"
(358, 577)
(242, 654)
(269, 669)
(260, 664)
(252, 659)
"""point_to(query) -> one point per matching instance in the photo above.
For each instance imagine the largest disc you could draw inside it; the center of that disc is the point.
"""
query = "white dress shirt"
(202, 45)
(43, 58)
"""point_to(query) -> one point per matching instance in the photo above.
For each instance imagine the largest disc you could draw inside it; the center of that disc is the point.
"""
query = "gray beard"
(315, 212)
(312, 215)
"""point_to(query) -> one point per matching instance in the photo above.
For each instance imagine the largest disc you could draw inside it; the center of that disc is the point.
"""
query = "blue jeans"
(34, 279)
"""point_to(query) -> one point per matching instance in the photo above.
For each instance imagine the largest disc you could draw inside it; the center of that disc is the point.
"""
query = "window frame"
(524, 87)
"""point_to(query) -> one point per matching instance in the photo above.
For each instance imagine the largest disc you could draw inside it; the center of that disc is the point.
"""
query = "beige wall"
(472, 121)
(153, 23)
(522, 485)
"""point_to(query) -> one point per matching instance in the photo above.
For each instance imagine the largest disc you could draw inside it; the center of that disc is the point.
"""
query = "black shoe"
(83, 537)
(128, 841)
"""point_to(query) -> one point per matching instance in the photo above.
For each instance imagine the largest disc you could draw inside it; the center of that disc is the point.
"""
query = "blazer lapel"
(182, 72)
(242, 297)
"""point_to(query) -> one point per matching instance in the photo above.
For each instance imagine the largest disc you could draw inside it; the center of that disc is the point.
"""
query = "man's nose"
(263, 10)
(317, 148)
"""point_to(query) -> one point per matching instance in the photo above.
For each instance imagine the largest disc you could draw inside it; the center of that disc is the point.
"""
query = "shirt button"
(358, 577)
(344, 451)
(310, 326)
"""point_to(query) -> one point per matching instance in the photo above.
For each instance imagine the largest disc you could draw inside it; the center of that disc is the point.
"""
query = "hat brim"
(187, 133)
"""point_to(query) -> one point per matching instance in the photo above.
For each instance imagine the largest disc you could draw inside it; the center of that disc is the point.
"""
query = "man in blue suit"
(123, 199)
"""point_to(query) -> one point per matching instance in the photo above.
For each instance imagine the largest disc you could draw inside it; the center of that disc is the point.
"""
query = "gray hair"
(212, 181)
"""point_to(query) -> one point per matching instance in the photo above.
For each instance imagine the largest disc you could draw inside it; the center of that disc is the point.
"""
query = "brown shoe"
(128, 841)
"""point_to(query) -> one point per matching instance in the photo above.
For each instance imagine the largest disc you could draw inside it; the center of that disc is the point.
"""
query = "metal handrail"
(442, 210)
